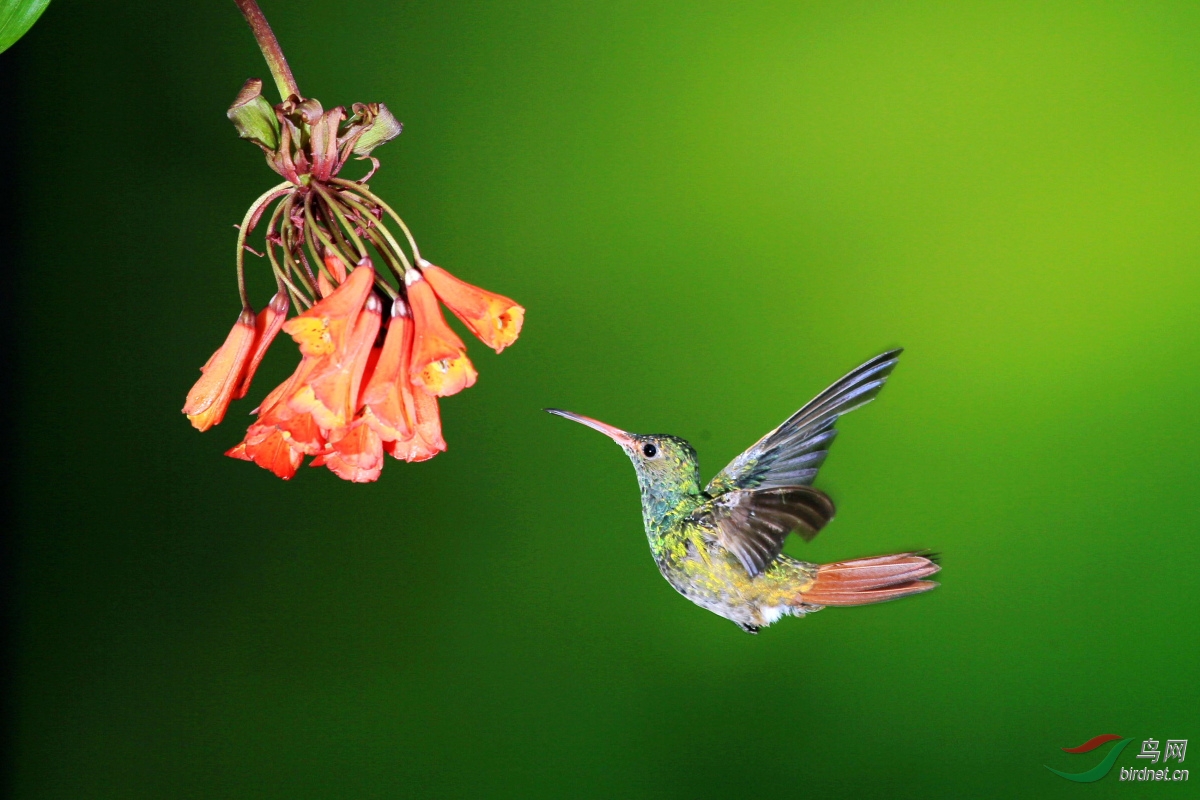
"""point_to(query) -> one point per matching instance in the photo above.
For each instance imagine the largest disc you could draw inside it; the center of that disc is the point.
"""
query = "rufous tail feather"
(871, 580)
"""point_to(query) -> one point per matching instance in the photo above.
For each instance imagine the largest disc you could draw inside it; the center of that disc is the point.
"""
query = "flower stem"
(281, 270)
(271, 50)
(389, 257)
(371, 224)
(365, 192)
(332, 204)
(252, 215)
(324, 237)
(310, 227)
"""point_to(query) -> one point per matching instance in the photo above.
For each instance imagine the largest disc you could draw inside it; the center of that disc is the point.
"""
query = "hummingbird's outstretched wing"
(753, 524)
(791, 454)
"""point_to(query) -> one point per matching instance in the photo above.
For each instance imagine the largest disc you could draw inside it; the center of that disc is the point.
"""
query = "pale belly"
(715, 580)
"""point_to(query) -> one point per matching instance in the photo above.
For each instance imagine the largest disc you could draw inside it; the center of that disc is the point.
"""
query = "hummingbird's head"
(666, 465)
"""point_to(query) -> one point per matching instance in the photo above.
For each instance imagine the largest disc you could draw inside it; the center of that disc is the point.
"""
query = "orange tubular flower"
(493, 318)
(336, 268)
(221, 374)
(426, 440)
(337, 338)
(354, 396)
(274, 452)
(281, 437)
(387, 404)
(439, 365)
(357, 456)
(331, 393)
(281, 445)
(321, 330)
(269, 321)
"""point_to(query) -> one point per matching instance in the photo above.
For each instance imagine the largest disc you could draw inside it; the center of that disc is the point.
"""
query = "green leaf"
(16, 17)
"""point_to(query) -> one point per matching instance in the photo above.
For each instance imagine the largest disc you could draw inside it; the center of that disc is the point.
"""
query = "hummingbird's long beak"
(616, 434)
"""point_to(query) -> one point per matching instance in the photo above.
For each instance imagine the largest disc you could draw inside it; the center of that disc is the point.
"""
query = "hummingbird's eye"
(649, 450)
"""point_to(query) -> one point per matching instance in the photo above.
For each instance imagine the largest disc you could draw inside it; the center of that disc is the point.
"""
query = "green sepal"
(378, 127)
(254, 117)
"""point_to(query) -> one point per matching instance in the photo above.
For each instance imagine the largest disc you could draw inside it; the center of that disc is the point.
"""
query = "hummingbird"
(721, 546)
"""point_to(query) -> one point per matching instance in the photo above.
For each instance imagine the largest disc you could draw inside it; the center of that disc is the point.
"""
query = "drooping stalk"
(288, 245)
(309, 230)
(248, 222)
(308, 270)
(343, 244)
(365, 192)
(271, 226)
(389, 257)
(331, 203)
(365, 212)
(282, 279)
(271, 50)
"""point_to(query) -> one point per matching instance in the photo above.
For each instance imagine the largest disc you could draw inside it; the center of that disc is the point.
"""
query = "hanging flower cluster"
(374, 356)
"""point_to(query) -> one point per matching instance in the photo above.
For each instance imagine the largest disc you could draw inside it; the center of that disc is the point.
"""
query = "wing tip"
(887, 355)
(811, 427)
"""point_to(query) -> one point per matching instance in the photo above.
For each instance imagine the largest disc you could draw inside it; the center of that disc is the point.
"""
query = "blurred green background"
(711, 211)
